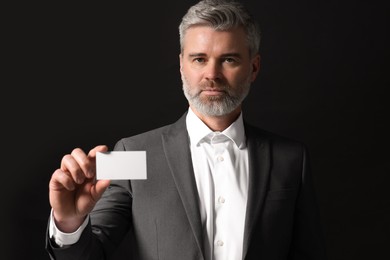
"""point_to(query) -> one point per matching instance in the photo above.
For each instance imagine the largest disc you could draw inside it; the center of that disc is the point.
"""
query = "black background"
(78, 75)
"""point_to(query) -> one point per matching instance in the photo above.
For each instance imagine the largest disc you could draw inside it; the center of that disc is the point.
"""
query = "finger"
(99, 148)
(98, 189)
(76, 164)
(86, 162)
(92, 157)
(60, 180)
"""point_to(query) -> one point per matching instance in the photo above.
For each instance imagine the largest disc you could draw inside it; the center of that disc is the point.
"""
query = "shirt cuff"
(65, 239)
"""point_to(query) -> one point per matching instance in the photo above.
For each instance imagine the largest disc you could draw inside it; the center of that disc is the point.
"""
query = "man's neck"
(218, 123)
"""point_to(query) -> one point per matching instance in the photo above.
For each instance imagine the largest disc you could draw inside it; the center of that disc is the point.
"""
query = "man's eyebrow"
(197, 54)
(232, 54)
(201, 54)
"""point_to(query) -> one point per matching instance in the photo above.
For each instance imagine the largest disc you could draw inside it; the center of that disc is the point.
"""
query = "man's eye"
(230, 60)
(199, 60)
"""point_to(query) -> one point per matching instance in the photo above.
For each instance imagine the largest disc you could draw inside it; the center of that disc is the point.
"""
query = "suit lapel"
(259, 168)
(176, 148)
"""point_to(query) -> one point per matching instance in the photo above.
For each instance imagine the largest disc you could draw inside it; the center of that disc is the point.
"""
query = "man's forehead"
(204, 40)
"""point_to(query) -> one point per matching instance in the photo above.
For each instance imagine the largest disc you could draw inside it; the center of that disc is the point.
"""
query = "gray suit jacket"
(161, 215)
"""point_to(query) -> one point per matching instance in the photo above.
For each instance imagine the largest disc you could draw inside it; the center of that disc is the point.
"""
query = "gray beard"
(216, 106)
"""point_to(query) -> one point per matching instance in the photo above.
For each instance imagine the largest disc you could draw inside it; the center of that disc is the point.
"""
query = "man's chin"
(211, 109)
(210, 99)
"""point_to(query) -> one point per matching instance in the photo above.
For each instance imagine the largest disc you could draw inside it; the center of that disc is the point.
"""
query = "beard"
(220, 105)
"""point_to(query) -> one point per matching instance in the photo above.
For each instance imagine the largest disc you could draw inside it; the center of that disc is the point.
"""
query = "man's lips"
(213, 91)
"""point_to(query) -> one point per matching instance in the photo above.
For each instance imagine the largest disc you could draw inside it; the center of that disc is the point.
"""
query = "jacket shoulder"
(274, 139)
(151, 138)
(142, 140)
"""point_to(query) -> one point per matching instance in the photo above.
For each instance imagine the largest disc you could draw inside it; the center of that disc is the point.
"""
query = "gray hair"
(222, 15)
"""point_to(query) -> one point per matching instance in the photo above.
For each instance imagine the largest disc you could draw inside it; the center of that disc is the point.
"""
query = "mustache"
(213, 85)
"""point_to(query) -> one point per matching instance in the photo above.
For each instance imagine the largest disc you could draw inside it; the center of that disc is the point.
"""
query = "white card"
(121, 165)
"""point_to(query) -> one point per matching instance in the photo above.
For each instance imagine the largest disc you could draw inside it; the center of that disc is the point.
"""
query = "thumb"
(98, 189)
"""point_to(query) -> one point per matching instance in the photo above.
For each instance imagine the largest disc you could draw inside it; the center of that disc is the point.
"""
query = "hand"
(73, 189)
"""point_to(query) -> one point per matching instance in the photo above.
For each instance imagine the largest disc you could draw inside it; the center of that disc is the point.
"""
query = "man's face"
(216, 69)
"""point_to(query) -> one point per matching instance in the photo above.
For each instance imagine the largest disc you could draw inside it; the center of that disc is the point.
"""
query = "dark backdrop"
(78, 75)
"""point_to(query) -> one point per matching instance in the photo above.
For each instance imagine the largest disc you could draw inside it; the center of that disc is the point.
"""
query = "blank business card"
(121, 165)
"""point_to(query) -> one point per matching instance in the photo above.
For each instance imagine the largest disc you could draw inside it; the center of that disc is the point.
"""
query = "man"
(217, 188)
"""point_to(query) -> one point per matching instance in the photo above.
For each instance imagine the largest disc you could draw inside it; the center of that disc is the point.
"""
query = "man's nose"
(213, 70)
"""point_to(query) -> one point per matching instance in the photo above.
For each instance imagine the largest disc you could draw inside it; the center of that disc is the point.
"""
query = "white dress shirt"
(220, 161)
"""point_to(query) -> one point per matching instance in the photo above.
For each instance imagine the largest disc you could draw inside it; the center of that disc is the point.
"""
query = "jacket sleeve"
(109, 223)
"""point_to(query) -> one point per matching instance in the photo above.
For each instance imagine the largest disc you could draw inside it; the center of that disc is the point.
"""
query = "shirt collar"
(198, 130)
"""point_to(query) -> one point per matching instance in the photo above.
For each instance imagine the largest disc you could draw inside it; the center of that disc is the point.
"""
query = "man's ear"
(181, 61)
(255, 66)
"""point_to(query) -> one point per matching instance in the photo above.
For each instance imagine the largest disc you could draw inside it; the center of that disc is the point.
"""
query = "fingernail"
(89, 174)
(80, 180)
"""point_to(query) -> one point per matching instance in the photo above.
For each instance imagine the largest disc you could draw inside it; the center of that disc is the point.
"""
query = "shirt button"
(220, 158)
(221, 200)
(219, 243)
